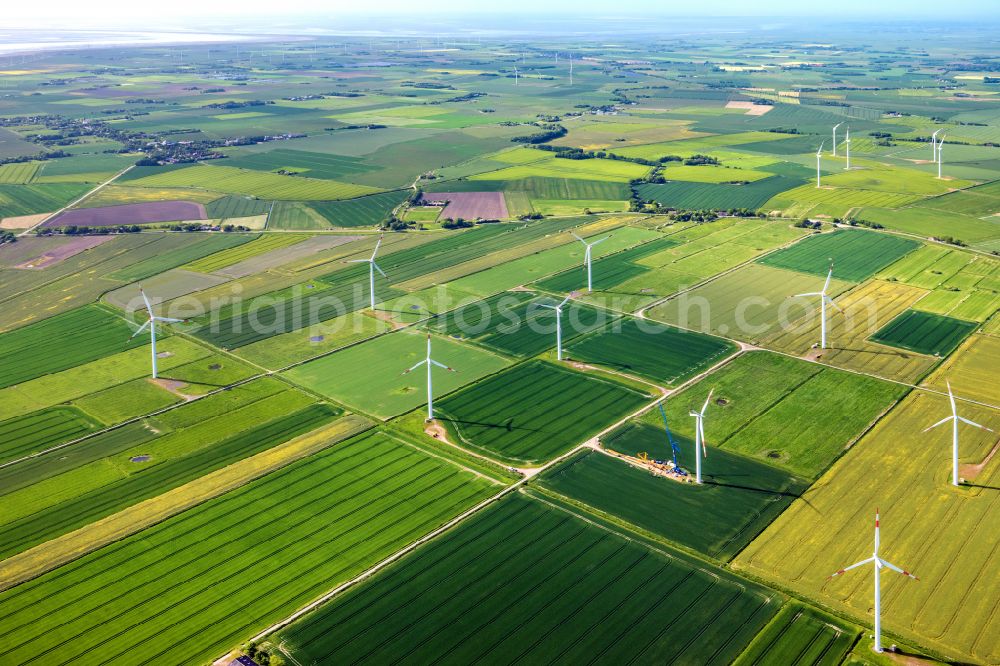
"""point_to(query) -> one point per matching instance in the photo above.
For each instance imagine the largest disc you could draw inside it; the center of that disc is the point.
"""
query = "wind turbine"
(587, 259)
(939, 146)
(955, 418)
(430, 386)
(515, 75)
(847, 147)
(835, 138)
(819, 154)
(558, 309)
(670, 438)
(699, 437)
(934, 149)
(151, 323)
(823, 300)
(372, 267)
(879, 563)
(571, 69)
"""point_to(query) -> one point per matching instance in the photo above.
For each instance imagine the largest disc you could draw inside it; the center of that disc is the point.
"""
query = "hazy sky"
(97, 10)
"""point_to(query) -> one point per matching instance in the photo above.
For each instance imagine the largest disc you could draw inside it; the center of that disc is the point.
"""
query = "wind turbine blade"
(418, 364)
(951, 398)
(897, 569)
(146, 301)
(853, 566)
(599, 241)
(140, 329)
(379, 269)
(831, 302)
(701, 429)
(829, 274)
(578, 238)
(375, 251)
(705, 406)
(944, 420)
(811, 293)
(973, 423)
(358, 261)
(551, 307)
(564, 301)
(168, 320)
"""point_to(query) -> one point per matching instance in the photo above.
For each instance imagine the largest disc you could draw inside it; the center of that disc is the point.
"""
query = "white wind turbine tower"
(151, 323)
(429, 362)
(372, 267)
(558, 309)
(934, 149)
(515, 75)
(835, 138)
(699, 437)
(847, 148)
(939, 146)
(571, 69)
(879, 563)
(823, 300)
(955, 418)
(587, 259)
(819, 154)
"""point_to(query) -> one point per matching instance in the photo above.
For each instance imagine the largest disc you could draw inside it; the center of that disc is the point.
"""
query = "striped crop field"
(653, 351)
(535, 411)
(36, 431)
(924, 332)
(69, 510)
(856, 255)
(803, 636)
(737, 509)
(62, 342)
(609, 271)
(928, 526)
(195, 585)
(230, 256)
(682, 194)
(261, 184)
(527, 582)
(517, 323)
(18, 173)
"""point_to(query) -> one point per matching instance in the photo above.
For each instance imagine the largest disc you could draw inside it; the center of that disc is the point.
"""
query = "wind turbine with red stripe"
(879, 564)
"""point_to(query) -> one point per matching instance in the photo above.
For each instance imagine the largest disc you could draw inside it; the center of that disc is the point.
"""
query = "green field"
(698, 196)
(610, 271)
(58, 504)
(739, 497)
(369, 376)
(856, 255)
(237, 206)
(18, 173)
(800, 635)
(767, 406)
(314, 165)
(517, 323)
(535, 411)
(32, 199)
(200, 246)
(526, 582)
(266, 548)
(232, 180)
(62, 342)
(924, 332)
(367, 211)
(230, 256)
(36, 431)
(646, 349)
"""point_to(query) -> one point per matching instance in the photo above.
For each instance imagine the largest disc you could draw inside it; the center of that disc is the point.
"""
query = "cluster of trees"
(700, 160)
(83, 230)
(457, 223)
(859, 223)
(264, 655)
(7, 237)
(808, 224)
(950, 240)
(548, 133)
(570, 153)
